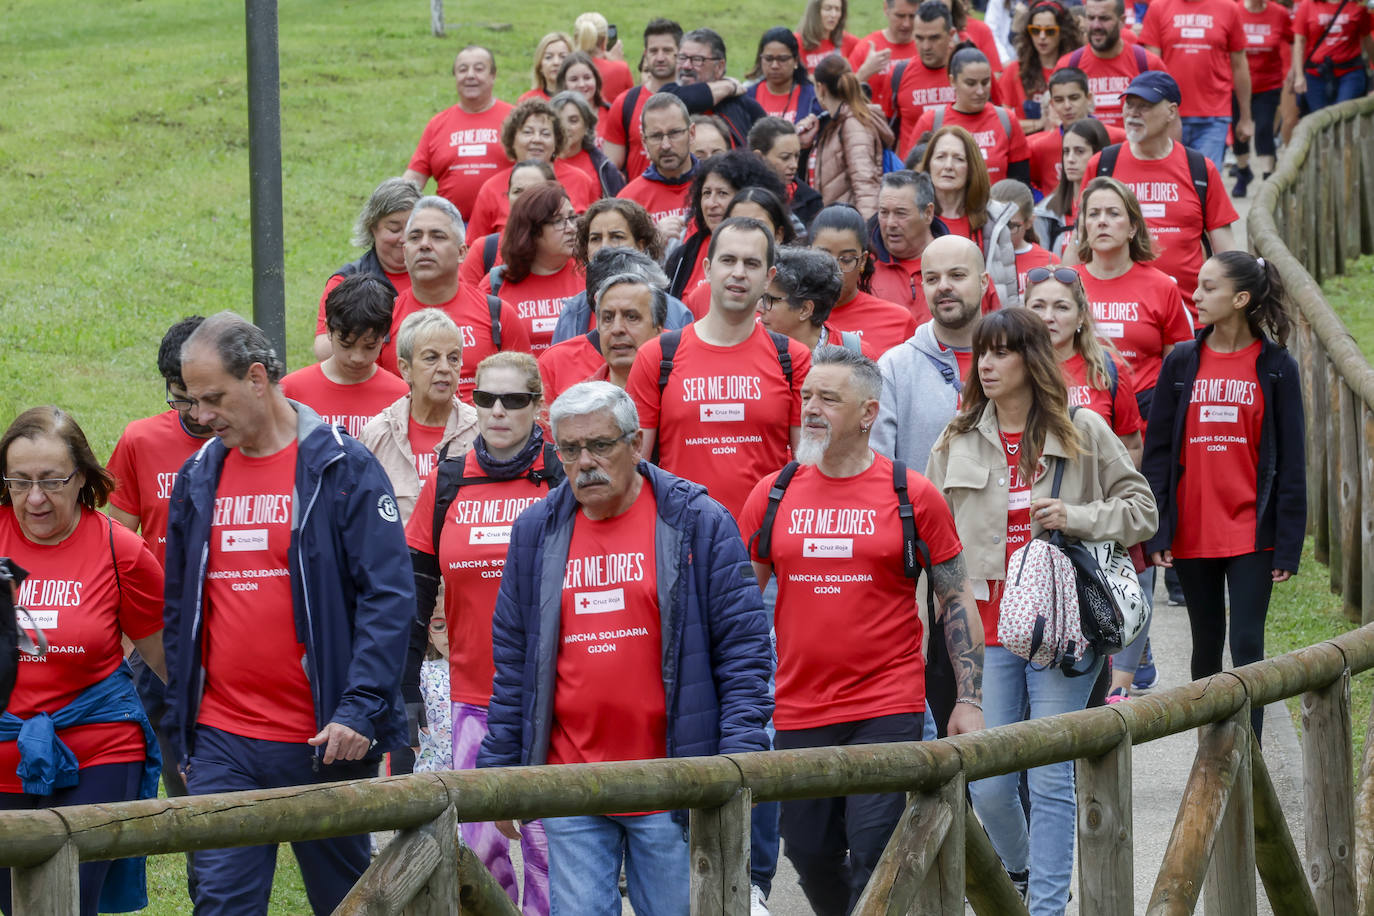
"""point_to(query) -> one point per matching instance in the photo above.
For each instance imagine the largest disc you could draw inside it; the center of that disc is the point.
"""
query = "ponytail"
(838, 78)
(1267, 312)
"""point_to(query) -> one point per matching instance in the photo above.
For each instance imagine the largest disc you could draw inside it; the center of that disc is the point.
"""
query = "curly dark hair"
(641, 225)
(1070, 39)
(517, 118)
(741, 169)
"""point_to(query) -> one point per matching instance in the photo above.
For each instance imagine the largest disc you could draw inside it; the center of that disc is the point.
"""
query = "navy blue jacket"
(1281, 497)
(352, 592)
(716, 656)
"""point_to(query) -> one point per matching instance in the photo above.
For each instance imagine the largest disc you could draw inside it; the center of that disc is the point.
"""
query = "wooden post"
(1353, 558)
(923, 860)
(1230, 885)
(988, 885)
(1276, 856)
(1328, 797)
(480, 894)
(1313, 371)
(416, 874)
(439, 895)
(720, 857)
(1366, 461)
(48, 887)
(1106, 871)
(436, 17)
(1335, 506)
(1199, 819)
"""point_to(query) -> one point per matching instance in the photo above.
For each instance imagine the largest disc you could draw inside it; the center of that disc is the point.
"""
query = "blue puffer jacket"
(351, 583)
(716, 656)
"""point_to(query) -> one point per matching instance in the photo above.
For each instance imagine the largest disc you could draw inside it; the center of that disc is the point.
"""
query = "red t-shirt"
(882, 324)
(1121, 413)
(471, 270)
(461, 151)
(535, 93)
(349, 406)
(963, 361)
(958, 225)
(1172, 209)
(1342, 43)
(847, 619)
(615, 76)
(612, 127)
(538, 301)
(491, 207)
(472, 554)
(424, 446)
(779, 106)
(1266, 34)
(1108, 77)
(566, 363)
(978, 32)
(1220, 459)
(1018, 533)
(73, 597)
(1029, 258)
(1047, 156)
(582, 161)
(999, 148)
(811, 58)
(660, 199)
(1196, 39)
(1013, 94)
(608, 699)
(400, 281)
(469, 310)
(145, 464)
(255, 682)
(725, 417)
(880, 83)
(1141, 312)
(920, 89)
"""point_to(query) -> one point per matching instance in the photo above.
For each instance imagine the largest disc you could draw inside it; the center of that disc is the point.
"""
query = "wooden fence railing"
(1312, 218)
(1229, 823)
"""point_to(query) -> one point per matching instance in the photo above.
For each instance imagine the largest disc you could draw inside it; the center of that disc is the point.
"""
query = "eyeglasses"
(776, 58)
(670, 135)
(47, 484)
(179, 403)
(848, 262)
(511, 400)
(1038, 31)
(696, 60)
(563, 219)
(1065, 275)
(768, 302)
(568, 452)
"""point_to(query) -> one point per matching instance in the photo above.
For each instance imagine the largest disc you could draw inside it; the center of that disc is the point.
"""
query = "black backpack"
(1197, 173)
(10, 577)
(450, 478)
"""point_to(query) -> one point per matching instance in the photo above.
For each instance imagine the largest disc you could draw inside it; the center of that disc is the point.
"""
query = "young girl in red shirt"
(1224, 456)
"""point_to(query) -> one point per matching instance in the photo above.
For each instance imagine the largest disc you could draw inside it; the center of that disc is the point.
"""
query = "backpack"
(627, 111)
(915, 553)
(498, 279)
(1197, 172)
(896, 120)
(668, 342)
(491, 246)
(852, 340)
(449, 478)
(1002, 118)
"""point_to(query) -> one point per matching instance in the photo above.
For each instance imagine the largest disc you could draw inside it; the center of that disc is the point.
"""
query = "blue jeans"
(1323, 92)
(1047, 848)
(1207, 136)
(584, 864)
(764, 820)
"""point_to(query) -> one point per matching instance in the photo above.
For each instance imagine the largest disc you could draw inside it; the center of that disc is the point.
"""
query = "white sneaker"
(757, 906)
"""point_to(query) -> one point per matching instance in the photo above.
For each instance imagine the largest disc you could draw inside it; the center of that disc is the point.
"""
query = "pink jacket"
(848, 160)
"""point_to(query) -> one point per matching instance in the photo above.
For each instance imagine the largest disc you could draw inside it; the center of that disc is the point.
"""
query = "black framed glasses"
(179, 403)
(511, 400)
(47, 484)
(696, 60)
(568, 452)
(1066, 275)
(768, 302)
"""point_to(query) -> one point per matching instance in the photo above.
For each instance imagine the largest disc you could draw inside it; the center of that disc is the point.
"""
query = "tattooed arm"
(963, 641)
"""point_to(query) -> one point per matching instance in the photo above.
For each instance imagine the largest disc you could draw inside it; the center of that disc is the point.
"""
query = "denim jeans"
(1047, 848)
(584, 864)
(1207, 136)
(1324, 92)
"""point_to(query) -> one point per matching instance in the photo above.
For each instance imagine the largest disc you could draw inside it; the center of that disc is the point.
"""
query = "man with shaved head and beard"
(850, 659)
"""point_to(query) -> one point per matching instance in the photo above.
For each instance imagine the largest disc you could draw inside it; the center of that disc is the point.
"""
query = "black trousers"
(834, 843)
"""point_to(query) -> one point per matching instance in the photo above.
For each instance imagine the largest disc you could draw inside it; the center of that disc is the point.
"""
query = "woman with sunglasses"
(995, 463)
(510, 466)
(538, 270)
(90, 582)
(1048, 33)
(839, 230)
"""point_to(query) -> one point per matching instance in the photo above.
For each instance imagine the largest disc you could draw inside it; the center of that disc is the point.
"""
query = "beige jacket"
(387, 436)
(1104, 496)
(849, 160)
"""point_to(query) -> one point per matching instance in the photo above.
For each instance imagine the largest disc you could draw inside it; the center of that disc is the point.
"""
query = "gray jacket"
(921, 388)
(1000, 254)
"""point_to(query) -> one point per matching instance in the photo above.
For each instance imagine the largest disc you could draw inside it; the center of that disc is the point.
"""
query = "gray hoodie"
(920, 394)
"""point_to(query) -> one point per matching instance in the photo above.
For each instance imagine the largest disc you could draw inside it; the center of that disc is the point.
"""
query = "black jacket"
(1281, 497)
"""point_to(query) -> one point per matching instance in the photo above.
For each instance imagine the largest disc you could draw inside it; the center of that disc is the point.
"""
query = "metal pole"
(264, 171)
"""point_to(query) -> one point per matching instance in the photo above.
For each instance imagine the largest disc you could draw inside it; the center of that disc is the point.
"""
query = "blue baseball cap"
(1154, 86)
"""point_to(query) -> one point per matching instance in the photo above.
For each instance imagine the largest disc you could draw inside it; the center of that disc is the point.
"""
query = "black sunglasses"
(511, 400)
(1065, 275)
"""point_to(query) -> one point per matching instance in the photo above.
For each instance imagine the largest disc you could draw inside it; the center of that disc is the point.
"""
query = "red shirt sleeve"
(1149, 34)
(642, 385)
(1126, 417)
(924, 123)
(1235, 32)
(140, 584)
(612, 123)
(1018, 149)
(121, 464)
(420, 528)
(1220, 210)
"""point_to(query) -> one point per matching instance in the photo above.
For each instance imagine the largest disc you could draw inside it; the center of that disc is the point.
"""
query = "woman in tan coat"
(847, 161)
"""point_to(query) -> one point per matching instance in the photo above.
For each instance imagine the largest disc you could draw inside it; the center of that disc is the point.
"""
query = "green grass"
(124, 164)
(1303, 611)
(1350, 295)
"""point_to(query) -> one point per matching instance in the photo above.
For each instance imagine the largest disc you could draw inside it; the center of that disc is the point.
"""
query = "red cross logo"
(810, 546)
(479, 535)
(586, 603)
(708, 411)
(231, 540)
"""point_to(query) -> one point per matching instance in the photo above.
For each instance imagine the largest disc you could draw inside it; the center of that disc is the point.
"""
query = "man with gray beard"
(847, 531)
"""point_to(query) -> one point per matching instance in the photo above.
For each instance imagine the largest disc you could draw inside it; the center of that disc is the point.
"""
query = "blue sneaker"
(1146, 675)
